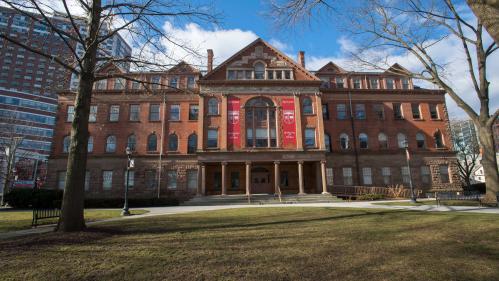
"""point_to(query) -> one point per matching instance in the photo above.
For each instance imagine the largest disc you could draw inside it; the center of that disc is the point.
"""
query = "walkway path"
(157, 211)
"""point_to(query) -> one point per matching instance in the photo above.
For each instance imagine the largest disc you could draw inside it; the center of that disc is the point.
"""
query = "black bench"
(443, 196)
(44, 213)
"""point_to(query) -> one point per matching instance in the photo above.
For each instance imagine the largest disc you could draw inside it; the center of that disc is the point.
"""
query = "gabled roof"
(183, 67)
(397, 69)
(331, 67)
(106, 67)
(254, 44)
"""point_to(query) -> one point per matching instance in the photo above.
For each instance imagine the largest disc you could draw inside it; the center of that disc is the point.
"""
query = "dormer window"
(357, 83)
(278, 75)
(389, 83)
(374, 83)
(231, 75)
(259, 70)
(405, 83)
(339, 83)
(287, 74)
(270, 74)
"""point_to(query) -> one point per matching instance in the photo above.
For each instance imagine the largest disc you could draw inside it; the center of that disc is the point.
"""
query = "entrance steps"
(259, 199)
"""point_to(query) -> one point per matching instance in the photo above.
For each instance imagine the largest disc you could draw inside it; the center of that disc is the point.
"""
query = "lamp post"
(129, 164)
(407, 158)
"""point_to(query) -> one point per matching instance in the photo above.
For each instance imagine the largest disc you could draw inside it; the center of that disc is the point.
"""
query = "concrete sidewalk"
(158, 211)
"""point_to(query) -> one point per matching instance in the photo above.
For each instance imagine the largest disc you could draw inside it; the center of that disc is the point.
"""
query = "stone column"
(300, 178)
(200, 131)
(299, 134)
(248, 178)
(277, 135)
(224, 180)
(323, 176)
(223, 124)
(203, 179)
(199, 191)
(277, 177)
(320, 122)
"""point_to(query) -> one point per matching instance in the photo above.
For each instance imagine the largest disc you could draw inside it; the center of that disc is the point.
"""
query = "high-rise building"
(463, 131)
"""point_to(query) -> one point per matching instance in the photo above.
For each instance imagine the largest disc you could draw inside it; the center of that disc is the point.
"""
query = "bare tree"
(141, 21)
(468, 162)
(488, 13)
(414, 28)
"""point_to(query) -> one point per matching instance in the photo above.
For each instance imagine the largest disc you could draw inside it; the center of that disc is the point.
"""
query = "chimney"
(210, 60)
(301, 58)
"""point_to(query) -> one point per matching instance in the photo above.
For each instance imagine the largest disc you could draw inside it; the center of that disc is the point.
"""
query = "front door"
(260, 181)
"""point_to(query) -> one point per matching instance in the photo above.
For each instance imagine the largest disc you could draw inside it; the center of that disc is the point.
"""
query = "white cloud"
(283, 47)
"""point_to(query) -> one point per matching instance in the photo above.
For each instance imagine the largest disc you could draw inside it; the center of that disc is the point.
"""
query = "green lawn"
(289, 243)
(11, 220)
(432, 202)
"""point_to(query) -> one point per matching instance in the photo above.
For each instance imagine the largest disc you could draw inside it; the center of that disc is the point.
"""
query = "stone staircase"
(259, 199)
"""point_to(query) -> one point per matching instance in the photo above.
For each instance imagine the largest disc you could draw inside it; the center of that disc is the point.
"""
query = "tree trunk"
(72, 218)
(488, 15)
(489, 162)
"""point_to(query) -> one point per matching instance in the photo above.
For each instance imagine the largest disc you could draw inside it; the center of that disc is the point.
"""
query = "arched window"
(172, 142)
(111, 144)
(192, 142)
(213, 106)
(344, 142)
(152, 142)
(438, 140)
(401, 140)
(66, 143)
(131, 142)
(420, 140)
(90, 144)
(363, 140)
(383, 141)
(307, 106)
(327, 142)
(259, 70)
(260, 121)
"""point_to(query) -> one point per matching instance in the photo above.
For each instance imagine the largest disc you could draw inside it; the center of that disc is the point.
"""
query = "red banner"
(233, 123)
(288, 122)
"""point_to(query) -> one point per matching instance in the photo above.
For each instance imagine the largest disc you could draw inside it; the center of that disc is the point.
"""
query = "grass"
(289, 243)
(432, 202)
(11, 220)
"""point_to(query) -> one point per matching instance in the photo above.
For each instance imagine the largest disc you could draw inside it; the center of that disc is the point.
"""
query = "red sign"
(233, 123)
(288, 122)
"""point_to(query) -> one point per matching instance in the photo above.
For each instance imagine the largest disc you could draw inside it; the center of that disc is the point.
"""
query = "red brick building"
(258, 122)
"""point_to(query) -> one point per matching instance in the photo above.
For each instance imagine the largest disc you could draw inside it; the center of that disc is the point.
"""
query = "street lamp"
(129, 165)
(407, 158)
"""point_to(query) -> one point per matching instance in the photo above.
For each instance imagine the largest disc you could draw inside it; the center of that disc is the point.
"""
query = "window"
(174, 82)
(193, 112)
(93, 114)
(172, 142)
(397, 111)
(347, 176)
(434, 111)
(310, 137)
(344, 143)
(406, 175)
(212, 106)
(367, 177)
(389, 83)
(107, 180)
(234, 180)
(101, 84)
(383, 141)
(270, 74)
(341, 111)
(401, 140)
(192, 180)
(111, 144)
(307, 106)
(114, 113)
(363, 141)
(231, 75)
(425, 175)
(420, 140)
(66, 143)
(172, 180)
(387, 175)
(134, 112)
(379, 111)
(71, 113)
(90, 144)
(416, 113)
(154, 112)
(212, 138)
(260, 121)
(87, 180)
(405, 83)
(327, 142)
(150, 178)
(325, 112)
(287, 74)
(131, 178)
(360, 112)
(373, 82)
(357, 84)
(259, 70)
(284, 179)
(155, 82)
(135, 85)
(61, 179)
(325, 82)
(217, 180)
(175, 112)
(132, 142)
(152, 142)
(192, 142)
(329, 176)
(191, 82)
(119, 83)
(278, 74)
(340, 83)
(438, 140)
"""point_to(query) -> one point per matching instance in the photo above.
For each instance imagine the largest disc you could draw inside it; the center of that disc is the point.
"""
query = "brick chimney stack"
(210, 60)
(301, 58)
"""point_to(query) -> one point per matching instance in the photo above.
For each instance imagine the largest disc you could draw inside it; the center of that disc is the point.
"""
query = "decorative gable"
(331, 68)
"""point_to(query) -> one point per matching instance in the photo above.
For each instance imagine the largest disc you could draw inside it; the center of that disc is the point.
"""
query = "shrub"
(26, 197)
(371, 197)
(132, 202)
(476, 188)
